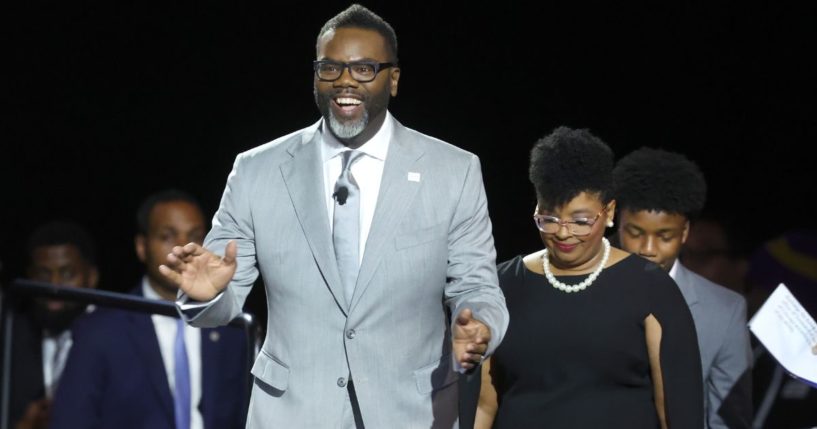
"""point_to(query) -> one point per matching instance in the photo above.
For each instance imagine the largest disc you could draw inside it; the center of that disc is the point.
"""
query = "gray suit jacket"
(429, 254)
(726, 355)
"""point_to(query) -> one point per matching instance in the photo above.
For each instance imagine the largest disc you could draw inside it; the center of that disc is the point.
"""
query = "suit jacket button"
(350, 334)
(341, 382)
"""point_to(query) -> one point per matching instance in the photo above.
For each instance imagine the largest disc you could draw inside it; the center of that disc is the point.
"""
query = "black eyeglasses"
(361, 71)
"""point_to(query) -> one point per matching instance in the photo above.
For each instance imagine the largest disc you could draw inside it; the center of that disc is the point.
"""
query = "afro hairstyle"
(658, 180)
(566, 163)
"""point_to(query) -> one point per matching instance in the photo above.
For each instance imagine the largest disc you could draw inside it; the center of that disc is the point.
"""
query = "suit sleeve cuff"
(189, 309)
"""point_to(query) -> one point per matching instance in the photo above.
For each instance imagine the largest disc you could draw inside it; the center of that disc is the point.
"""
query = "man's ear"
(93, 277)
(139, 243)
(394, 79)
(685, 233)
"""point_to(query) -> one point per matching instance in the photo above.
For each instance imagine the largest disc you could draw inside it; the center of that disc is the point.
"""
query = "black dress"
(579, 360)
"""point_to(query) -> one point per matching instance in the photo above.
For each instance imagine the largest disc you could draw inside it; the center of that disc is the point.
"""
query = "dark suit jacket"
(27, 382)
(115, 376)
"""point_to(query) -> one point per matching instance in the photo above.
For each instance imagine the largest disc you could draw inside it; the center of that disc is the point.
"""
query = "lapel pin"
(413, 177)
(214, 336)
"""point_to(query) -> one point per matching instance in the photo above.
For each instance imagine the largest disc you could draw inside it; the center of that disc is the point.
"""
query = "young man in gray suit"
(375, 248)
(658, 193)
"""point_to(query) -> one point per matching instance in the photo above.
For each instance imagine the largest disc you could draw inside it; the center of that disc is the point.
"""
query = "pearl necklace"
(584, 284)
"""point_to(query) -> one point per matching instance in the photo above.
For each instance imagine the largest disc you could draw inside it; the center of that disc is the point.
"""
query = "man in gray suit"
(370, 320)
(657, 194)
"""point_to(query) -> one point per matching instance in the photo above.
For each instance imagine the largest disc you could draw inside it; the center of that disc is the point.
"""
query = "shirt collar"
(147, 290)
(673, 272)
(376, 147)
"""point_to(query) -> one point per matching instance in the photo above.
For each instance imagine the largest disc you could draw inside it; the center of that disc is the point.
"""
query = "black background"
(107, 102)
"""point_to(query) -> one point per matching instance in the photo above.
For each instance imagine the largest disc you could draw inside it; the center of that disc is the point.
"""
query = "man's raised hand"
(199, 273)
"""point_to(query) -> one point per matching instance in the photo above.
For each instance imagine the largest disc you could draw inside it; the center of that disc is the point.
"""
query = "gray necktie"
(346, 224)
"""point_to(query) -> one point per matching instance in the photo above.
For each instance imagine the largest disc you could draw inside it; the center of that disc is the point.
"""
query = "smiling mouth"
(348, 106)
(347, 101)
(564, 247)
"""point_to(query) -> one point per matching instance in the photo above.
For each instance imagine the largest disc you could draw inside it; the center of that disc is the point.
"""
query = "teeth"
(345, 100)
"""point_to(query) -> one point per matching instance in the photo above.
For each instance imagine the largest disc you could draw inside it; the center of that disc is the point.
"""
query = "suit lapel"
(395, 196)
(303, 176)
(143, 334)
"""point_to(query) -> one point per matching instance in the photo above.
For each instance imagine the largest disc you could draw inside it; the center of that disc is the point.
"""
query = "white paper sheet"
(789, 333)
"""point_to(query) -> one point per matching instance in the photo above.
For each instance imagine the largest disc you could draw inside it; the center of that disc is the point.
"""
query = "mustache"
(347, 91)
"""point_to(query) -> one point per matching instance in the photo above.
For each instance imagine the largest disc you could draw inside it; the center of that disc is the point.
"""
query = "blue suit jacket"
(115, 376)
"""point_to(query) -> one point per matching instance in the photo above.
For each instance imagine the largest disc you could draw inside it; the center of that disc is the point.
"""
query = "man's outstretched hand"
(470, 339)
(199, 273)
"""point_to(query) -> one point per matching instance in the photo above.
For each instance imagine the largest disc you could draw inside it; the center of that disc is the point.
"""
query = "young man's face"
(171, 223)
(657, 236)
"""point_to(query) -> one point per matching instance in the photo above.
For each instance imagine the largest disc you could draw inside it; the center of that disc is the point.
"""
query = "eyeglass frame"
(569, 224)
(378, 67)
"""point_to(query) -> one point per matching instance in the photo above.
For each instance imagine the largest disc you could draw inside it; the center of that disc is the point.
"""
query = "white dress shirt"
(55, 353)
(673, 272)
(367, 171)
(166, 334)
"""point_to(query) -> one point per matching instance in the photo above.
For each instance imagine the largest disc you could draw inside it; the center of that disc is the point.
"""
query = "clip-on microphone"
(341, 194)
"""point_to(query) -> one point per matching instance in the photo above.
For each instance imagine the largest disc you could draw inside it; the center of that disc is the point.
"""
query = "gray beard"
(350, 129)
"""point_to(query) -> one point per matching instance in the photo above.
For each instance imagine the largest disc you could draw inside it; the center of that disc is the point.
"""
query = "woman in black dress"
(598, 338)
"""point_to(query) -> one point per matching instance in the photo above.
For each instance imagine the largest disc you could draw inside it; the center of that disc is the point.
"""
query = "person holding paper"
(782, 401)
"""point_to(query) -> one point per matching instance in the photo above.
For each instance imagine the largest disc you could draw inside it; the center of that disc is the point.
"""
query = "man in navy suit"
(60, 253)
(134, 370)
